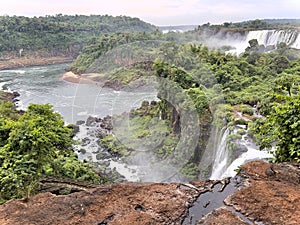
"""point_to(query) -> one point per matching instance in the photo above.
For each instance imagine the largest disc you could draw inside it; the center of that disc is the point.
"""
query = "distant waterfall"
(273, 37)
(264, 37)
(296, 44)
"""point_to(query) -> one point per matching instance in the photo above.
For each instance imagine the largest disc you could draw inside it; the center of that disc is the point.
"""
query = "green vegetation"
(281, 129)
(60, 34)
(89, 60)
(252, 25)
(35, 144)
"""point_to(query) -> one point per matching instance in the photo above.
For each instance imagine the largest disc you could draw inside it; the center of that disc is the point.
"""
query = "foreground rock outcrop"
(128, 203)
(270, 194)
(264, 194)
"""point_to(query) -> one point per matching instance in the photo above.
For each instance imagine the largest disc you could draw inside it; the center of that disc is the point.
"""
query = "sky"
(160, 12)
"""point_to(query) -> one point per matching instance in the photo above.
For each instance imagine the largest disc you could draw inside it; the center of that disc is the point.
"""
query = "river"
(43, 84)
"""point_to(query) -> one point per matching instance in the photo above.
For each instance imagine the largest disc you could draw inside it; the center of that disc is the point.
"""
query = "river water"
(43, 84)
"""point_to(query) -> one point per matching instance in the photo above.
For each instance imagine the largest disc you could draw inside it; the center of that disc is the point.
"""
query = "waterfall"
(227, 158)
(264, 37)
(221, 157)
(296, 44)
(252, 153)
(225, 165)
(273, 37)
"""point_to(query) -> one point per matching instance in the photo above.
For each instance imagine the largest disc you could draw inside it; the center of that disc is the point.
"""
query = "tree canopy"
(281, 129)
(33, 145)
(61, 34)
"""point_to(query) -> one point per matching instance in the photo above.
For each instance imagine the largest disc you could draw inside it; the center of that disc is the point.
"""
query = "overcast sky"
(160, 12)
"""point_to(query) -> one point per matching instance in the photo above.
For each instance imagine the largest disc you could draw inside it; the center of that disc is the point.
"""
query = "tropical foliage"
(35, 144)
(60, 34)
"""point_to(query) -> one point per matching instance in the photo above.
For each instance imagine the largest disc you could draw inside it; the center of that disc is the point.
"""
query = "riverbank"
(116, 81)
(27, 61)
(8, 96)
(82, 79)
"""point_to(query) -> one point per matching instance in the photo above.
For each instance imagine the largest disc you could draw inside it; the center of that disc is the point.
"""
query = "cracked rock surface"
(266, 194)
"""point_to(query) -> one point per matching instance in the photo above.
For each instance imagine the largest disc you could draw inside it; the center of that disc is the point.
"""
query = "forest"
(60, 34)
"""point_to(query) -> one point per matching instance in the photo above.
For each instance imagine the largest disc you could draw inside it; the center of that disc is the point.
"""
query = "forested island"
(201, 89)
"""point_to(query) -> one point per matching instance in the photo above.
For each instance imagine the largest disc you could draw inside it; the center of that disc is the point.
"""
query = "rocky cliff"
(262, 194)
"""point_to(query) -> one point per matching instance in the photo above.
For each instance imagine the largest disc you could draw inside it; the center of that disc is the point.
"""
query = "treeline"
(251, 25)
(61, 33)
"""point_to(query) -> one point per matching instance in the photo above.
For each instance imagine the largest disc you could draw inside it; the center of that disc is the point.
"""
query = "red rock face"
(272, 194)
(269, 194)
(131, 203)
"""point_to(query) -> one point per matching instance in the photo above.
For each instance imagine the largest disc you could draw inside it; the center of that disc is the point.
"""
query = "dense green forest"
(60, 34)
(35, 144)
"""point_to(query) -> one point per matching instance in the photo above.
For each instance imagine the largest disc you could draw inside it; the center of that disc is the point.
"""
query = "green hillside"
(60, 34)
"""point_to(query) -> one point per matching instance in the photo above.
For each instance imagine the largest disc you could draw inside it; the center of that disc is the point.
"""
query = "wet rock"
(103, 155)
(240, 149)
(96, 151)
(80, 122)
(82, 151)
(85, 141)
(221, 216)
(75, 129)
(271, 193)
(209, 200)
(103, 163)
(90, 121)
(268, 194)
(106, 123)
(111, 204)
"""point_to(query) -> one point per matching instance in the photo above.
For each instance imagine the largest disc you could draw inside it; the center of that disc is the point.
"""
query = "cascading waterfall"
(221, 157)
(266, 38)
(224, 165)
(273, 37)
(296, 44)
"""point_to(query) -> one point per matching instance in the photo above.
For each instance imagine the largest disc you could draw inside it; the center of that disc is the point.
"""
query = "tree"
(32, 145)
(281, 129)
